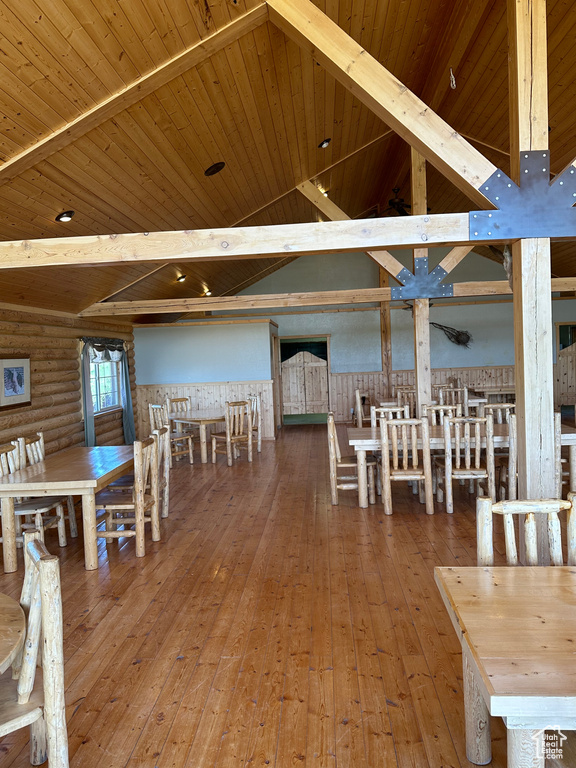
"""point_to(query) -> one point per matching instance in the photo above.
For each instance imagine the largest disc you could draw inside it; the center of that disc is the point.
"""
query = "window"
(105, 385)
(566, 335)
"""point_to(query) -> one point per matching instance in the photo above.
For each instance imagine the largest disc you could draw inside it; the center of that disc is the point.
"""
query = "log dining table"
(368, 439)
(76, 471)
(516, 627)
(202, 420)
(12, 630)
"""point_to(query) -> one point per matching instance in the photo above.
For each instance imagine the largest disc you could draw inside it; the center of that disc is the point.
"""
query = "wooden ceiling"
(115, 108)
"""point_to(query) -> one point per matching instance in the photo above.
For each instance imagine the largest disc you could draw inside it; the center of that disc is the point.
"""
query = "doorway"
(304, 363)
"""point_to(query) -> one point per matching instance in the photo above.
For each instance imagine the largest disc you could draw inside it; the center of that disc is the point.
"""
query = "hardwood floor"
(267, 628)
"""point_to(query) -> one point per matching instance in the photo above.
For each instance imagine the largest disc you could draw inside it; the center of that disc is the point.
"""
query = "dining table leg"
(203, 444)
(525, 748)
(90, 540)
(9, 535)
(572, 469)
(362, 478)
(477, 718)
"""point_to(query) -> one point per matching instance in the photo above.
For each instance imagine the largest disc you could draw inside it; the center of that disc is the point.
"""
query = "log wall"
(52, 342)
(209, 398)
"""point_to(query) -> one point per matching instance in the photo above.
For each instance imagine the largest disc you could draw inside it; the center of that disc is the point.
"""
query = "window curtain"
(98, 350)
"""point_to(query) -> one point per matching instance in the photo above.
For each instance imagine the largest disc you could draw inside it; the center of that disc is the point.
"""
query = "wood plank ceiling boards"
(117, 113)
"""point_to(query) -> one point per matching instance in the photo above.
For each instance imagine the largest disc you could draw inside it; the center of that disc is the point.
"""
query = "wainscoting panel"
(342, 385)
(208, 398)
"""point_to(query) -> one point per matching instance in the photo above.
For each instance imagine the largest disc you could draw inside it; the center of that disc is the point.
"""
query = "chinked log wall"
(208, 398)
(52, 342)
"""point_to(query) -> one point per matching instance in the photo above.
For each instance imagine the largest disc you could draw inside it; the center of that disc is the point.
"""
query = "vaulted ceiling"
(115, 109)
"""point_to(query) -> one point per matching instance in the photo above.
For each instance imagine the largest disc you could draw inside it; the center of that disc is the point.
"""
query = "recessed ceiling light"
(324, 143)
(216, 168)
(66, 216)
(181, 278)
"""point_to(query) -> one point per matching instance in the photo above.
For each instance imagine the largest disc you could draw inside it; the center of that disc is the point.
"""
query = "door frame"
(305, 337)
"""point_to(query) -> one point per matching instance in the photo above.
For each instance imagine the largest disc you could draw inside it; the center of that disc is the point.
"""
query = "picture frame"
(15, 382)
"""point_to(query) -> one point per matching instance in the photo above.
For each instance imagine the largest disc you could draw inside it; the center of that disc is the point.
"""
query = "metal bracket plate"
(422, 284)
(536, 208)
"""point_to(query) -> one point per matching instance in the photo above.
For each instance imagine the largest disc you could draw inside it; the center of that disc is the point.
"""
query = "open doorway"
(304, 362)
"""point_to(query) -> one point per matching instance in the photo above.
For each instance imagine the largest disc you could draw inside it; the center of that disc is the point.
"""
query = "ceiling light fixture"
(66, 216)
(214, 169)
(324, 143)
(208, 293)
(181, 278)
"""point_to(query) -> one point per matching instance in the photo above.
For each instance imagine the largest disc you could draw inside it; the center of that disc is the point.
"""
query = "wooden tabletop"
(519, 625)
(196, 417)
(74, 468)
(12, 630)
(369, 439)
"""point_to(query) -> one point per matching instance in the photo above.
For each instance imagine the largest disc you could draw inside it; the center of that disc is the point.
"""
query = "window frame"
(96, 389)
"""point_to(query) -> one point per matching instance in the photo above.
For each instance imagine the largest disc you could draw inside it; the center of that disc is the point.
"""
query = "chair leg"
(387, 496)
(139, 530)
(250, 447)
(190, 449)
(334, 488)
(449, 496)
(371, 485)
(165, 501)
(428, 495)
(61, 525)
(38, 742)
(229, 452)
(155, 520)
(213, 450)
(72, 517)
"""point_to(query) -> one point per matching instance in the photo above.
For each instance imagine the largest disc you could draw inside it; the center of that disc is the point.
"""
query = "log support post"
(386, 336)
(533, 329)
(422, 372)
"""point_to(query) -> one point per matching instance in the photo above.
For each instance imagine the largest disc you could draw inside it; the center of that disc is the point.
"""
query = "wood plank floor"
(268, 628)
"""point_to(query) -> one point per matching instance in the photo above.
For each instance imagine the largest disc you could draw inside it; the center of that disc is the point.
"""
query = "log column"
(533, 330)
(386, 336)
(422, 373)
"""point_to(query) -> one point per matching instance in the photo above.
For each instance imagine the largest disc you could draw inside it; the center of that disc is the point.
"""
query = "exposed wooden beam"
(384, 94)
(239, 242)
(334, 213)
(455, 256)
(305, 299)
(329, 209)
(134, 93)
(324, 170)
(387, 262)
(125, 287)
(225, 303)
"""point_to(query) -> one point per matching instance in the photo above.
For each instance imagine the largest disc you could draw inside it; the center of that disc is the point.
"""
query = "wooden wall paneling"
(52, 341)
(207, 398)
(342, 385)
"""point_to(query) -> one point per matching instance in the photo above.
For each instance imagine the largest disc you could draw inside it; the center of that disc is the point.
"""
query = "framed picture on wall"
(15, 390)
